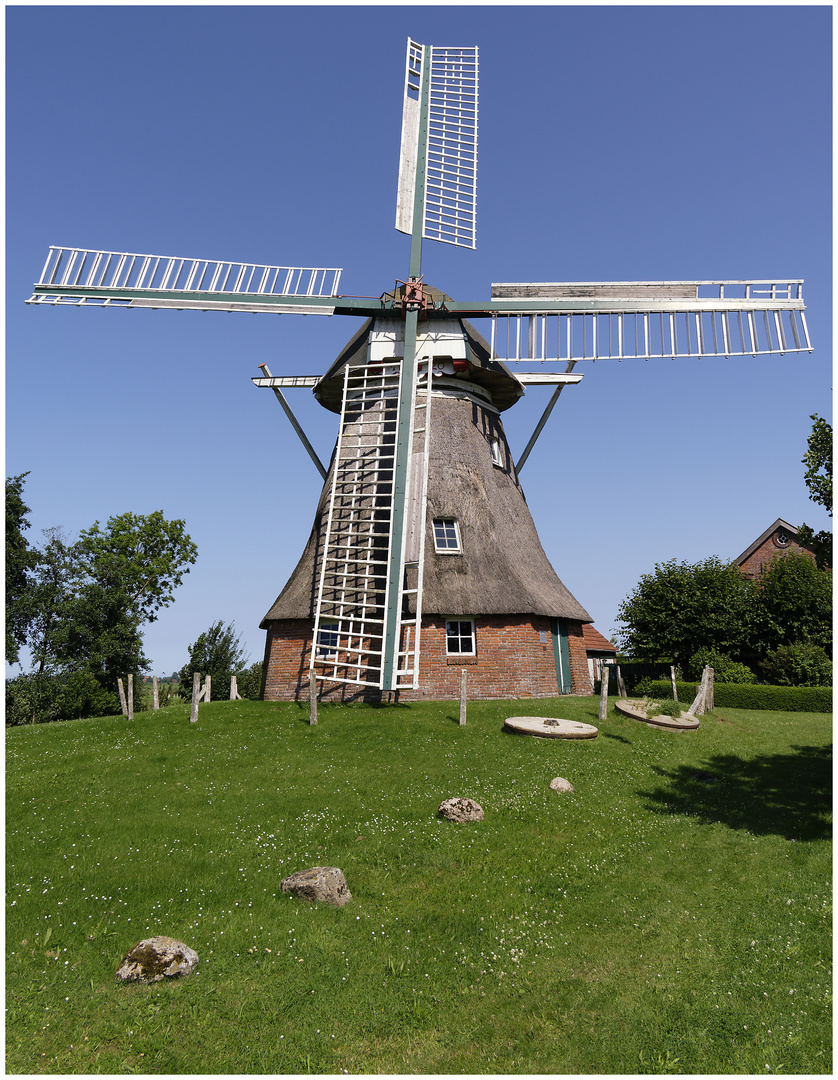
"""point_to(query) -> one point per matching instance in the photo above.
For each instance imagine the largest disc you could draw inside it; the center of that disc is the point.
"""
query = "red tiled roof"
(594, 641)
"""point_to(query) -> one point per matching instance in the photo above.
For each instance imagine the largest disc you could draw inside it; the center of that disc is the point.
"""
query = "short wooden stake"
(463, 697)
(130, 697)
(710, 696)
(672, 680)
(621, 686)
(234, 690)
(196, 696)
(699, 706)
(603, 690)
(312, 694)
(206, 693)
(155, 693)
(122, 700)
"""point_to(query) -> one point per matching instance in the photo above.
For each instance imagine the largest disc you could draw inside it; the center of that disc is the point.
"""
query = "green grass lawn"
(673, 914)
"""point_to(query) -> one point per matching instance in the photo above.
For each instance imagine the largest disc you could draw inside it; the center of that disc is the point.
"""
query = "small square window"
(494, 450)
(327, 639)
(459, 637)
(446, 536)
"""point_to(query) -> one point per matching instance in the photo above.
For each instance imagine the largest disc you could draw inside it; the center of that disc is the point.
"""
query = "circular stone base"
(548, 728)
(634, 709)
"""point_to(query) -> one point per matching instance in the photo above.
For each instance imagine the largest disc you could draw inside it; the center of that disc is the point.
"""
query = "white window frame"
(327, 648)
(495, 451)
(459, 635)
(458, 550)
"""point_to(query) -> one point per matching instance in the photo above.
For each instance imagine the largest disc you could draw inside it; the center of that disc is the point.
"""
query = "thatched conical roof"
(502, 567)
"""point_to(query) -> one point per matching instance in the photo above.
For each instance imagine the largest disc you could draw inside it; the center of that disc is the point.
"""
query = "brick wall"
(769, 550)
(511, 661)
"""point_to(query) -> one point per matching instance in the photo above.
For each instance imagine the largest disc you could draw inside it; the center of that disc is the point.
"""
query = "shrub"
(753, 696)
(667, 707)
(800, 664)
(42, 699)
(725, 669)
(249, 682)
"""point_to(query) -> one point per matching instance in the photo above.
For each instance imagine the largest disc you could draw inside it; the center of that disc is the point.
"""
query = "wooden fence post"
(621, 686)
(234, 690)
(463, 697)
(122, 701)
(603, 689)
(130, 697)
(672, 680)
(155, 693)
(196, 696)
(206, 693)
(710, 696)
(312, 694)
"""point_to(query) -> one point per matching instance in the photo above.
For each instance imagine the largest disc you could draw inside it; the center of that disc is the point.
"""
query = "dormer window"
(447, 536)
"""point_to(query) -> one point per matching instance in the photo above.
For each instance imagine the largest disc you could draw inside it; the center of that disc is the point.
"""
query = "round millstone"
(635, 710)
(547, 728)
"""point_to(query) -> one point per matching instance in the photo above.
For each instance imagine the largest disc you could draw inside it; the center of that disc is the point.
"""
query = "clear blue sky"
(615, 143)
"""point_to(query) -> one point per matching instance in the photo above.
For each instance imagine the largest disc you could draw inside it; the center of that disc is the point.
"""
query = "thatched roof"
(502, 568)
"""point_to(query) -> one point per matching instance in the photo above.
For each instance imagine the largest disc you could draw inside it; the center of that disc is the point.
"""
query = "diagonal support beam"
(544, 418)
(280, 397)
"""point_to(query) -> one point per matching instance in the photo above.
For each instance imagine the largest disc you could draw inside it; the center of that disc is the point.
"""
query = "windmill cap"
(482, 368)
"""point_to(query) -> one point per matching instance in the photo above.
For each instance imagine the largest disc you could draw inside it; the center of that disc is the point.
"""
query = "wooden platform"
(548, 728)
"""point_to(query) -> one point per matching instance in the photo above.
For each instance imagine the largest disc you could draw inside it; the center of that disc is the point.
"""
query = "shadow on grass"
(789, 795)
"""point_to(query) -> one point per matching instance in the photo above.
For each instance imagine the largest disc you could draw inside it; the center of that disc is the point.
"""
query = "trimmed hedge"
(816, 699)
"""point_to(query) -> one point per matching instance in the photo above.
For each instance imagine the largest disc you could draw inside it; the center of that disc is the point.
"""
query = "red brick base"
(511, 661)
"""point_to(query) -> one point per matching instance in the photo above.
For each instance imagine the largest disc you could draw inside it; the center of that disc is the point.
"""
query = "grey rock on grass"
(460, 810)
(157, 958)
(325, 884)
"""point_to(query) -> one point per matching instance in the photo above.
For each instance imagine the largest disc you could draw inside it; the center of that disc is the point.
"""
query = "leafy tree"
(86, 603)
(793, 603)
(683, 607)
(21, 561)
(818, 476)
(798, 664)
(216, 653)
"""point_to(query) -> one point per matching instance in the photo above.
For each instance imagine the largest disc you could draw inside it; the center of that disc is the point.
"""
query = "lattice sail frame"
(438, 160)
(646, 320)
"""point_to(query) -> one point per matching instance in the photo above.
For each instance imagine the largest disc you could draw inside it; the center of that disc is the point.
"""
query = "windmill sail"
(570, 321)
(84, 277)
(357, 596)
(438, 160)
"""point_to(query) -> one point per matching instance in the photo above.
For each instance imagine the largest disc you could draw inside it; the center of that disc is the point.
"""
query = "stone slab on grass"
(545, 727)
(636, 710)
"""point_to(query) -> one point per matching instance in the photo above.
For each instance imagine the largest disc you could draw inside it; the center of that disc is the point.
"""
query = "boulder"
(325, 884)
(460, 810)
(157, 958)
(560, 784)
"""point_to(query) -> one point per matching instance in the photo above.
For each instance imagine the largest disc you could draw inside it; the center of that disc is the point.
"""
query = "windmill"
(422, 530)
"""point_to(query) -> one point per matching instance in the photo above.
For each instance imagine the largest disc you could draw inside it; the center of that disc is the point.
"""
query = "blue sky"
(615, 143)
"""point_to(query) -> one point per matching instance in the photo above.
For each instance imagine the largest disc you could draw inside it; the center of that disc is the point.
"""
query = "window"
(782, 539)
(327, 639)
(447, 536)
(459, 637)
(494, 450)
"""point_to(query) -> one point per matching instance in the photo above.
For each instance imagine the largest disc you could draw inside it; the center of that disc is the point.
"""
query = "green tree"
(216, 653)
(793, 603)
(21, 561)
(683, 607)
(86, 605)
(123, 574)
(818, 476)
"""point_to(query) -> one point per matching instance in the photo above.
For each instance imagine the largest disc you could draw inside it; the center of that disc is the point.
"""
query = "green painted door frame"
(561, 655)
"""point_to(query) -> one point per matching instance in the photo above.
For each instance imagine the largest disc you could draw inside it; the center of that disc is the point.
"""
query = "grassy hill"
(673, 914)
